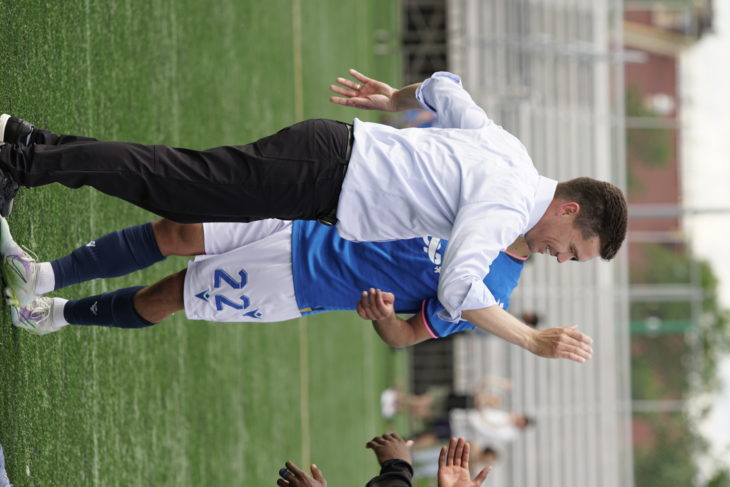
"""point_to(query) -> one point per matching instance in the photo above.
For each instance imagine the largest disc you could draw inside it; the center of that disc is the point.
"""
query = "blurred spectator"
(437, 401)
(488, 426)
(485, 426)
(394, 457)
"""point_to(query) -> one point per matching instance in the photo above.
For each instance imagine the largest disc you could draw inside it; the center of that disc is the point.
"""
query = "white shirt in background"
(484, 427)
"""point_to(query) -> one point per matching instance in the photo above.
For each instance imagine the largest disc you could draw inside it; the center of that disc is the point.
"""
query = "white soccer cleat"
(4, 480)
(14, 130)
(19, 270)
(37, 317)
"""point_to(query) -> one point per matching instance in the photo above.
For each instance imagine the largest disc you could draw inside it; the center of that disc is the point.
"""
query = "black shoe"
(14, 130)
(8, 190)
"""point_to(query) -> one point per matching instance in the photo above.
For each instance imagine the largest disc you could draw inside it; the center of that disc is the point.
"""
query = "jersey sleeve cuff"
(424, 317)
(424, 92)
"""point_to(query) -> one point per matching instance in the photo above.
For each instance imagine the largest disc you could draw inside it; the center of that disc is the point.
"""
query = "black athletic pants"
(296, 173)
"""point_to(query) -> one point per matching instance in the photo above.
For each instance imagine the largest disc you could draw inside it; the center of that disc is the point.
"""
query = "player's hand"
(365, 93)
(390, 446)
(562, 342)
(293, 476)
(454, 466)
(376, 305)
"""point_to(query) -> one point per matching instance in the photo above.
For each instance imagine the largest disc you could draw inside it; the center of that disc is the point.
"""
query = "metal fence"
(550, 72)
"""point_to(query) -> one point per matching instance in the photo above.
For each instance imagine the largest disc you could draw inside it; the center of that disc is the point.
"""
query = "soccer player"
(468, 181)
(263, 271)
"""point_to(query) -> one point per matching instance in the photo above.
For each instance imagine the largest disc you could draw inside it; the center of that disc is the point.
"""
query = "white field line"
(90, 121)
(304, 390)
(296, 16)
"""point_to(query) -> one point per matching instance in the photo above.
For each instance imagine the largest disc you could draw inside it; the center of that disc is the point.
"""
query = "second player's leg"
(118, 253)
(132, 307)
(179, 238)
(159, 301)
(115, 254)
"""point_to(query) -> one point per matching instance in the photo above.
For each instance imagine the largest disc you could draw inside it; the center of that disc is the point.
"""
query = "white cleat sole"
(3, 122)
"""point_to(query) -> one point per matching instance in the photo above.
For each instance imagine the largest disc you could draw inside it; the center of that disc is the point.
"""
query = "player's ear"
(569, 208)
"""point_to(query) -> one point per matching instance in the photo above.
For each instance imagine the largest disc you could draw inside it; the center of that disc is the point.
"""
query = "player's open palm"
(562, 342)
(365, 93)
(454, 466)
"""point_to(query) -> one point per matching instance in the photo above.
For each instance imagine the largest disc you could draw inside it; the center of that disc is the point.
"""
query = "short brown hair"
(603, 211)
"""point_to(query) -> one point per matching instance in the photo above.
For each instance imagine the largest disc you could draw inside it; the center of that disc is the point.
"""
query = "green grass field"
(182, 403)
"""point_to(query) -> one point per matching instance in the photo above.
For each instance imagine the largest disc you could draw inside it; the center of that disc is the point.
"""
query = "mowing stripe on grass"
(296, 19)
(87, 38)
(304, 390)
(296, 16)
(369, 342)
(95, 405)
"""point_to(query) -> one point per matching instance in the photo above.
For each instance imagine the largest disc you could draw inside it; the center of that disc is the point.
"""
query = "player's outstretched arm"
(561, 342)
(454, 466)
(370, 94)
(378, 306)
(293, 476)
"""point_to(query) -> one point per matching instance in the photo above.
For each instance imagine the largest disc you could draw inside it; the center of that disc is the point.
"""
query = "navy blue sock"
(116, 254)
(115, 309)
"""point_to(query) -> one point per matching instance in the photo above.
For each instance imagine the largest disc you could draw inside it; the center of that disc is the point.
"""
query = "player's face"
(555, 234)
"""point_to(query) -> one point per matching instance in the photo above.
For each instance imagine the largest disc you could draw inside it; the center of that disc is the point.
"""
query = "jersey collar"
(543, 196)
